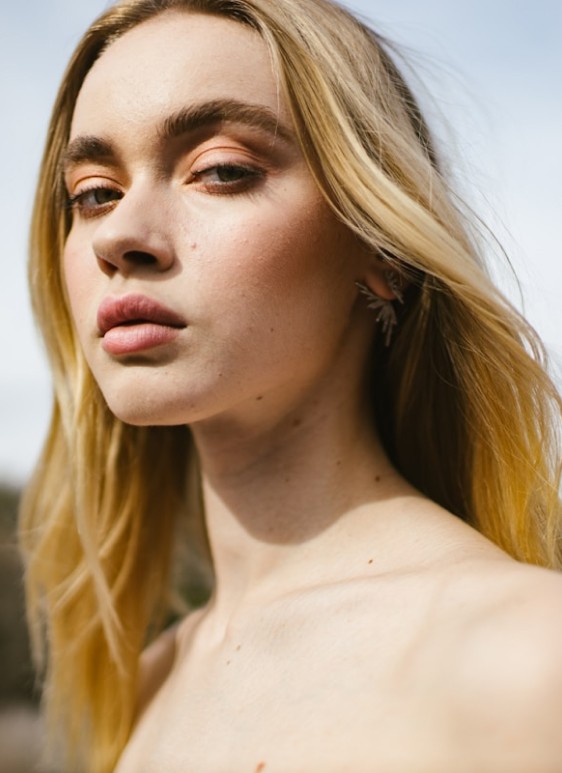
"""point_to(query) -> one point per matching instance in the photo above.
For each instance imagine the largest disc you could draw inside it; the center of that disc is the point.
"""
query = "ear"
(382, 280)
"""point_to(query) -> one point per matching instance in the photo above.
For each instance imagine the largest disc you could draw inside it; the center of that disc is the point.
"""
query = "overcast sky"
(493, 68)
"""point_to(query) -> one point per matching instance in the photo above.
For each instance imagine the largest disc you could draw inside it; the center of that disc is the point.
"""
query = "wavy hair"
(463, 401)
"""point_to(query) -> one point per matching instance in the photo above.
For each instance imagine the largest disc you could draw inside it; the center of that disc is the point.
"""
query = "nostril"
(140, 258)
(126, 262)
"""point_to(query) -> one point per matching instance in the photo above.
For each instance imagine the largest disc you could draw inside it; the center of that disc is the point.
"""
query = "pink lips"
(133, 323)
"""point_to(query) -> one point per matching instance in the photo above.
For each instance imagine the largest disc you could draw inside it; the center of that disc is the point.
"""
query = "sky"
(488, 73)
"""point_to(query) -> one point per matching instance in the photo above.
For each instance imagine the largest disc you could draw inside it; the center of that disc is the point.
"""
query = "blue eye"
(228, 178)
(230, 173)
(94, 201)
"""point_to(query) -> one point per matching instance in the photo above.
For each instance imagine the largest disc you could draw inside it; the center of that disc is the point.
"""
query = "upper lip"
(135, 308)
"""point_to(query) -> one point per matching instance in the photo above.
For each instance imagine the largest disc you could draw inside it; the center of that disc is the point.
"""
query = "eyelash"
(248, 177)
(77, 201)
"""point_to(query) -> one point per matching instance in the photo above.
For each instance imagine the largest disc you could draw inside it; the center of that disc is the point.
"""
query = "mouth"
(132, 323)
(129, 310)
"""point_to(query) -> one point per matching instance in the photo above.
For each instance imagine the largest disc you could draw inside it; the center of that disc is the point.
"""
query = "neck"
(280, 495)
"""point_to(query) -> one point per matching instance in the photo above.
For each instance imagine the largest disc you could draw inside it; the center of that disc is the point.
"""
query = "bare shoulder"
(155, 665)
(503, 668)
(157, 661)
(514, 601)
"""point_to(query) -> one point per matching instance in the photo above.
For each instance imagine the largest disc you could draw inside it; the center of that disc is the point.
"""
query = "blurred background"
(488, 74)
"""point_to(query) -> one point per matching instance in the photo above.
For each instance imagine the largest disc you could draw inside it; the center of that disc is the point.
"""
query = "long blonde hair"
(463, 401)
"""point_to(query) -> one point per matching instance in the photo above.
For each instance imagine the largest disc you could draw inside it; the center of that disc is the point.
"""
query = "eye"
(94, 201)
(227, 178)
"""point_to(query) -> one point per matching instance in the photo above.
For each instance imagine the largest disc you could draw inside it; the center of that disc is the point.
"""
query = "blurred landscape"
(20, 723)
(20, 728)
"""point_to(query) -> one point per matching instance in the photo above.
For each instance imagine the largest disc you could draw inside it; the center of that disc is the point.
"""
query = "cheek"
(279, 251)
(284, 291)
(78, 275)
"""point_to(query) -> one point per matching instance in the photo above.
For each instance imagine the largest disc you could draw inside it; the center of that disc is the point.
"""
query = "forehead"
(173, 60)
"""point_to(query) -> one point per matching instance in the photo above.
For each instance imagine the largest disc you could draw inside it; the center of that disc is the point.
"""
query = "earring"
(385, 311)
(394, 281)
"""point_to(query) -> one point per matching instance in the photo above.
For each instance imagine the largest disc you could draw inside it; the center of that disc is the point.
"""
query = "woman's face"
(204, 270)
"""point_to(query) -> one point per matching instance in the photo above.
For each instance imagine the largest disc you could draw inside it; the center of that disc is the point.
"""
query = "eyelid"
(217, 157)
(248, 178)
(220, 153)
(92, 186)
(89, 176)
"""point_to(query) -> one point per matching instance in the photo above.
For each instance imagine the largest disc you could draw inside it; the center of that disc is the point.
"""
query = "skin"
(355, 625)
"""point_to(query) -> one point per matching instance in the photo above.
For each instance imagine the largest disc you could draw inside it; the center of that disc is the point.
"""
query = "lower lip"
(130, 339)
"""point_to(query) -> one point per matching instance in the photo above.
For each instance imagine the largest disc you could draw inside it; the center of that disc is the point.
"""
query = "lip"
(131, 323)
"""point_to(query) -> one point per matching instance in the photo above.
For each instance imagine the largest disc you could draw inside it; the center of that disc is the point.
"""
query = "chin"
(145, 412)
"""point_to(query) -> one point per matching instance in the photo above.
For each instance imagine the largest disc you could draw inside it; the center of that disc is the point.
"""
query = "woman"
(257, 292)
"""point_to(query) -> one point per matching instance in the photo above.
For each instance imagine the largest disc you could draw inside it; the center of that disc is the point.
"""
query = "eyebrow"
(87, 149)
(194, 117)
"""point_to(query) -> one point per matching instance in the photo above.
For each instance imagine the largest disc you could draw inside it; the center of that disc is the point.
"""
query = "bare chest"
(342, 695)
(285, 717)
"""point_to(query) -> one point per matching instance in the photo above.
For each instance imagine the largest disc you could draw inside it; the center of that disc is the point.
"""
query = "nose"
(135, 235)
